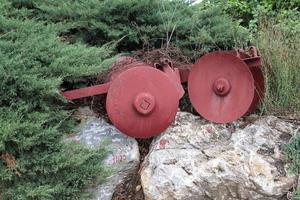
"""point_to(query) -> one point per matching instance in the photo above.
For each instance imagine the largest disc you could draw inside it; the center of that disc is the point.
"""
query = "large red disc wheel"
(221, 87)
(142, 102)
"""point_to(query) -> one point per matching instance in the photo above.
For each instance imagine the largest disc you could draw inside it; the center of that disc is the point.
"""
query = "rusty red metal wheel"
(221, 87)
(142, 101)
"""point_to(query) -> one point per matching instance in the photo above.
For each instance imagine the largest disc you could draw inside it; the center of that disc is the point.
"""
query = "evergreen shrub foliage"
(146, 23)
(34, 163)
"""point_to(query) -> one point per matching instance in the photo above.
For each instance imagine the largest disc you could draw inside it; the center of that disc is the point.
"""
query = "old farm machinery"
(142, 99)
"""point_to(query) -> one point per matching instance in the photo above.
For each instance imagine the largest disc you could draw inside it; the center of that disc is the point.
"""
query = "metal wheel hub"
(221, 87)
(144, 103)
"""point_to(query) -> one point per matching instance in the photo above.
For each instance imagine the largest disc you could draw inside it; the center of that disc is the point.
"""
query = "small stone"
(138, 188)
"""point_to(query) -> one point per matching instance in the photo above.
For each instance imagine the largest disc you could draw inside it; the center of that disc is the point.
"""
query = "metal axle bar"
(87, 91)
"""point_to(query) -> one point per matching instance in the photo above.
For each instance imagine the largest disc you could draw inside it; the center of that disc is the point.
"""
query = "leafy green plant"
(249, 12)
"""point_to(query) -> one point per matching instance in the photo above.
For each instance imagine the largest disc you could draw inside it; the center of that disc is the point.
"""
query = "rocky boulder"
(196, 159)
(123, 157)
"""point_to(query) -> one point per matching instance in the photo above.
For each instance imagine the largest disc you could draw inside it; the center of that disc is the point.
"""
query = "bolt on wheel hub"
(221, 87)
(144, 103)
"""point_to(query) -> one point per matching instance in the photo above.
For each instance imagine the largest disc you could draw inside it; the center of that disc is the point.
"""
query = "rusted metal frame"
(253, 62)
(184, 74)
(87, 91)
(174, 76)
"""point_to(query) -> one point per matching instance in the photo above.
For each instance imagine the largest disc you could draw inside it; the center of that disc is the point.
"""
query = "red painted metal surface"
(122, 64)
(221, 87)
(259, 83)
(253, 61)
(87, 91)
(142, 101)
(116, 73)
(184, 74)
(174, 76)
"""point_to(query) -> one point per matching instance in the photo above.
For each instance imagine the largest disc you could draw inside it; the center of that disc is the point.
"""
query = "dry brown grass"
(279, 47)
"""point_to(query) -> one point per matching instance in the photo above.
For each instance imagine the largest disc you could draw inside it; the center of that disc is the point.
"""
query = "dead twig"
(10, 161)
